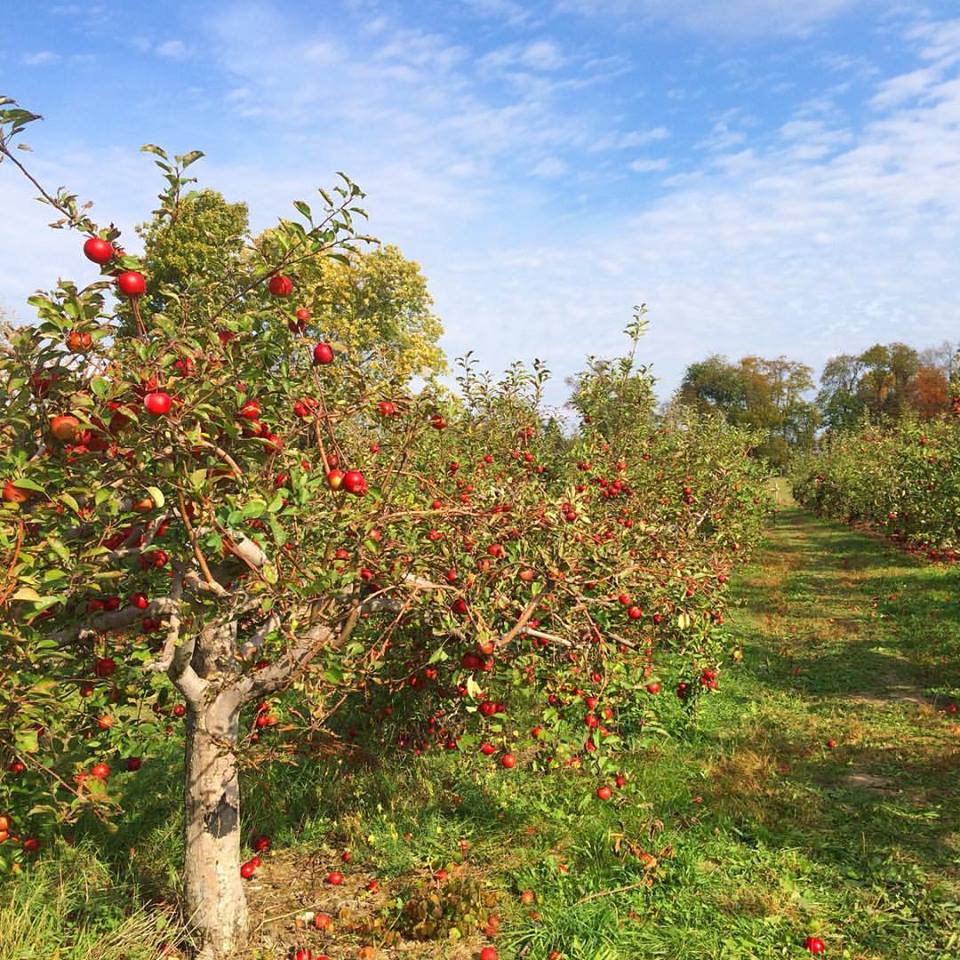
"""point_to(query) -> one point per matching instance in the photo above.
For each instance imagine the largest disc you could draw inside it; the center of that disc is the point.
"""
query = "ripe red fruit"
(157, 403)
(17, 767)
(354, 482)
(97, 250)
(302, 314)
(489, 953)
(335, 479)
(134, 764)
(387, 408)
(261, 844)
(280, 286)
(815, 945)
(487, 749)
(14, 494)
(100, 770)
(131, 284)
(65, 427)
(247, 869)
(140, 601)
(831, 744)
(634, 613)
(604, 793)
(31, 845)
(105, 667)
(335, 878)
(322, 921)
(79, 341)
(251, 410)
(323, 353)
(508, 760)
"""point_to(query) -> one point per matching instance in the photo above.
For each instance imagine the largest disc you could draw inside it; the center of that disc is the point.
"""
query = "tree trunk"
(216, 904)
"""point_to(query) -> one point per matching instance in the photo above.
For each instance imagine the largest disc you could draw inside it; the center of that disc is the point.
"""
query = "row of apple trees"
(902, 478)
(230, 521)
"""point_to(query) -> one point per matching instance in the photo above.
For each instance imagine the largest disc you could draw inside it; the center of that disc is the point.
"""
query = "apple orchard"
(231, 522)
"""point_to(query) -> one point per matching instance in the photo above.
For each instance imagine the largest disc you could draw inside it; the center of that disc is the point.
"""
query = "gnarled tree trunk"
(216, 904)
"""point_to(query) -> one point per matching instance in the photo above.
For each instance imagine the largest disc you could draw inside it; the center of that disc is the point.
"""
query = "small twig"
(609, 893)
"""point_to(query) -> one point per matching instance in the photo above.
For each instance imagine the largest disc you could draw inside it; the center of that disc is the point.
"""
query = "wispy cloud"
(173, 49)
(40, 59)
(733, 17)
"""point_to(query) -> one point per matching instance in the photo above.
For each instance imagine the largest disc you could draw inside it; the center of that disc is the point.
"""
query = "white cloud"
(174, 49)
(650, 165)
(550, 167)
(733, 17)
(40, 59)
(542, 55)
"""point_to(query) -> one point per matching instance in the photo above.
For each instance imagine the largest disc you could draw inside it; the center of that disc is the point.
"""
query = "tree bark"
(216, 903)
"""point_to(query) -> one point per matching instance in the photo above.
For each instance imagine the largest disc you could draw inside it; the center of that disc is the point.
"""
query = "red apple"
(280, 286)
(157, 403)
(97, 250)
(247, 869)
(323, 353)
(65, 428)
(815, 945)
(604, 793)
(15, 494)
(100, 770)
(251, 410)
(105, 666)
(335, 878)
(354, 482)
(508, 760)
(134, 764)
(131, 284)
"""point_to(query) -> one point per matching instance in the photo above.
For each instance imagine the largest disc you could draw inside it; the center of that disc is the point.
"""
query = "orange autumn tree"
(211, 510)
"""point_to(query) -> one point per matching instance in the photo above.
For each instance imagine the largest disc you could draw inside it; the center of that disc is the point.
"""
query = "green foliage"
(764, 395)
(903, 478)
(196, 247)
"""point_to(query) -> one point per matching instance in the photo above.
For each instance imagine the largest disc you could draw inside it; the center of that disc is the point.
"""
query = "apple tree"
(212, 508)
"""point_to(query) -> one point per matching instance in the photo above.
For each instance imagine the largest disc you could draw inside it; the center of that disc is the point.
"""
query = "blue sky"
(768, 176)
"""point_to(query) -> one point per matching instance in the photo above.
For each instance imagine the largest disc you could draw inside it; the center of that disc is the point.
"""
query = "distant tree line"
(885, 382)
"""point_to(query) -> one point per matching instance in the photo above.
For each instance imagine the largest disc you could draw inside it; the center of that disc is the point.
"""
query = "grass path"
(847, 640)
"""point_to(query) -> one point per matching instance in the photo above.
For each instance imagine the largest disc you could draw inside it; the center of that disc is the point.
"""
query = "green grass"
(841, 637)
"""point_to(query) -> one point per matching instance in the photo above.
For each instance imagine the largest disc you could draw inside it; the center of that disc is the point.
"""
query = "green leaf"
(24, 484)
(100, 386)
(333, 675)
(26, 741)
(157, 496)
